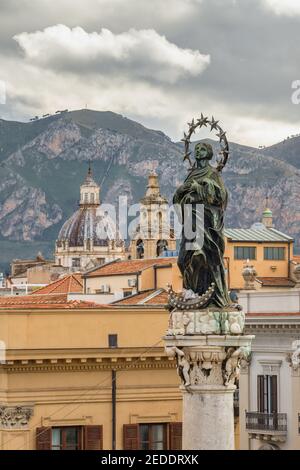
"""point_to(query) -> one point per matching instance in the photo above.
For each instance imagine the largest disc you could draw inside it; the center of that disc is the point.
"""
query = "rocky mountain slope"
(42, 164)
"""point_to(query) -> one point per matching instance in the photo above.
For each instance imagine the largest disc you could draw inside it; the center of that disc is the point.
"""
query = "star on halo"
(203, 121)
(221, 135)
(214, 124)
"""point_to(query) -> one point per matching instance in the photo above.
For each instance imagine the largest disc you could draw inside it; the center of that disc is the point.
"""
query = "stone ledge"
(208, 340)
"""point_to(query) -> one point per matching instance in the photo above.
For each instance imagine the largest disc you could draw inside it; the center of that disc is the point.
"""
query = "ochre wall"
(59, 363)
(263, 267)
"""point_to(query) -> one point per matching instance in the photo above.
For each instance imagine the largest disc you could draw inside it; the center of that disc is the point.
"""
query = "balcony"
(267, 426)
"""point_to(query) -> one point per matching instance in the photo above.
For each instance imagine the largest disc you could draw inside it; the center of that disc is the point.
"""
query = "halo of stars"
(214, 125)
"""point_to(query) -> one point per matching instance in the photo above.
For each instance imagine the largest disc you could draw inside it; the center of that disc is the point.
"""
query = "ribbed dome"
(89, 223)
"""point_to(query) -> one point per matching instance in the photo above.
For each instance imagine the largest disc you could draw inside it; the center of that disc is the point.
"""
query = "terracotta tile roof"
(296, 258)
(159, 299)
(148, 297)
(276, 281)
(134, 299)
(128, 266)
(50, 301)
(72, 283)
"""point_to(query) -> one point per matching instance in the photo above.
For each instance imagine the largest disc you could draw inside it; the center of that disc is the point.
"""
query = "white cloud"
(284, 7)
(150, 78)
(144, 53)
(2, 92)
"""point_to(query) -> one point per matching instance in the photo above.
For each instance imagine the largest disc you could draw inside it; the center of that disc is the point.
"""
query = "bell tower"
(154, 235)
(267, 218)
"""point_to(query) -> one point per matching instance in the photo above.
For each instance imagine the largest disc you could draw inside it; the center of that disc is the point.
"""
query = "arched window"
(161, 247)
(140, 249)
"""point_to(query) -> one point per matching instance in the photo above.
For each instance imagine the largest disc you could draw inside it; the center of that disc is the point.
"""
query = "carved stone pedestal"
(208, 366)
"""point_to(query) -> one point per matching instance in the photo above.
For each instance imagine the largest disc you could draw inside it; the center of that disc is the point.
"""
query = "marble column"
(208, 365)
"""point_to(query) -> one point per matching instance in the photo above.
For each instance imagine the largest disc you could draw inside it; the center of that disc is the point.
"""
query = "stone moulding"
(209, 361)
(294, 357)
(206, 322)
(95, 364)
(15, 416)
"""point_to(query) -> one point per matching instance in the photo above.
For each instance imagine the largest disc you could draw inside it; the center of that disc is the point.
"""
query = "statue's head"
(203, 151)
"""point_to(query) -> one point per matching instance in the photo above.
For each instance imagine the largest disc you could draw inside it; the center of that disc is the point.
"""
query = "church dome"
(88, 223)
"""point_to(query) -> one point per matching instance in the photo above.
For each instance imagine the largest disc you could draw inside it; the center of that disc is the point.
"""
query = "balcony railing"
(266, 422)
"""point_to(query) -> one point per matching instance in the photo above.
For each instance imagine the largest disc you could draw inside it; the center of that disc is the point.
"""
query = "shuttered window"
(175, 436)
(152, 436)
(69, 438)
(43, 438)
(131, 437)
(93, 437)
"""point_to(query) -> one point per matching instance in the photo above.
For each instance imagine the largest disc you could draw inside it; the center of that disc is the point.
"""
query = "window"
(236, 403)
(92, 198)
(86, 197)
(152, 436)
(267, 394)
(244, 252)
(272, 253)
(140, 249)
(100, 261)
(112, 341)
(127, 293)
(89, 437)
(75, 262)
(66, 438)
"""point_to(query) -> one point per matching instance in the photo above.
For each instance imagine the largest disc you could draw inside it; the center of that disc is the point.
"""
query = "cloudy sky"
(160, 62)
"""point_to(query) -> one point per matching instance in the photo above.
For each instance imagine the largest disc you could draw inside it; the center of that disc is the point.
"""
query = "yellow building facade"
(132, 276)
(238, 252)
(95, 375)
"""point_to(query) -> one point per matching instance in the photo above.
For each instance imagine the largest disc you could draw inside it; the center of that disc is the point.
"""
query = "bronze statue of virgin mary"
(202, 267)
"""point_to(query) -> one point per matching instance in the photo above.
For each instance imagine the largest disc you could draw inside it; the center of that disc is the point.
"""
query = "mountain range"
(43, 163)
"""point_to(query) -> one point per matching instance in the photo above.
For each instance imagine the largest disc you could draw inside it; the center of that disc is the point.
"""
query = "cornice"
(85, 365)
(278, 328)
(84, 353)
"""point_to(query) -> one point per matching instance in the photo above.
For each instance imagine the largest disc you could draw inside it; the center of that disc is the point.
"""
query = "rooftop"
(148, 297)
(275, 282)
(72, 283)
(256, 235)
(128, 266)
(50, 301)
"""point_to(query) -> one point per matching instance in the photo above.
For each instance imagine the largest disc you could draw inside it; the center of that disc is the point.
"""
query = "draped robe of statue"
(204, 265)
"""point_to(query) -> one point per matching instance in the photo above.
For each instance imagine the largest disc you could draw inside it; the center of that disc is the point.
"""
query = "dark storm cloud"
(254, 55)
(253, 50)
